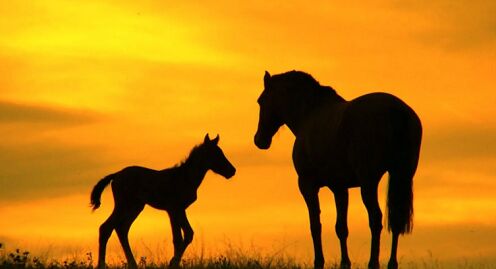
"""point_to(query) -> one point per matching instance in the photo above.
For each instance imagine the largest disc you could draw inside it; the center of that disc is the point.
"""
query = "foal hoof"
(345, 265)
(174, 263)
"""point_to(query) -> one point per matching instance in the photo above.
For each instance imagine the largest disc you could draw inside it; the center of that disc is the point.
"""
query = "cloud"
(461, 142)
(44, 169)
(34, 160)
(38, 114)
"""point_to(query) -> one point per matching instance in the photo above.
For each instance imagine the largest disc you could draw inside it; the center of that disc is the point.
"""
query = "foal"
(172, 189)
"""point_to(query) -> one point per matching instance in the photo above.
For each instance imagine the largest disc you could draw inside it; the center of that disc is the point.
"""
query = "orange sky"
(88, 87)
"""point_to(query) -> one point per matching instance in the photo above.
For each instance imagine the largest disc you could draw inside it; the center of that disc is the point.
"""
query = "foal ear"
(206, 139)
(216, 139)
(266, 78)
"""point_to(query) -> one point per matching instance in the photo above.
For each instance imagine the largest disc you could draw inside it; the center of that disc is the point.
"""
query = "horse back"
(376, 129)
(341, 141)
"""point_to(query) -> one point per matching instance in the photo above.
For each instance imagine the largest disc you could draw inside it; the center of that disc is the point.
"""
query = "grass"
(19, 259)
(23, 260)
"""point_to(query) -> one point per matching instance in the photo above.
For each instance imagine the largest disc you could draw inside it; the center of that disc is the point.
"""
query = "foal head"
(214, 159)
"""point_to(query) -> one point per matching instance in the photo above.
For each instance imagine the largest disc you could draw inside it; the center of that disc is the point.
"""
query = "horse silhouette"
(172, 189)
(344, 144)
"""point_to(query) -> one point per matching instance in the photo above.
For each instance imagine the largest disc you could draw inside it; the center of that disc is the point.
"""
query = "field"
(233, 259)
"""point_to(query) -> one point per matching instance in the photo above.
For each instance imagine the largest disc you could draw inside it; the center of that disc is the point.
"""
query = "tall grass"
(232, 259)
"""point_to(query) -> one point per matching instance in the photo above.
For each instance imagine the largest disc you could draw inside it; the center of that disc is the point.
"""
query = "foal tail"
(400, 190)
(98, 189)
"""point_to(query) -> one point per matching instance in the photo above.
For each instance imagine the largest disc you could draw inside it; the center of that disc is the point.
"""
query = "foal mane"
(194, 153)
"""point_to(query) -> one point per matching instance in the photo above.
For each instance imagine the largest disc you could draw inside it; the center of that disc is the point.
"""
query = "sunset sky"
(89, 87)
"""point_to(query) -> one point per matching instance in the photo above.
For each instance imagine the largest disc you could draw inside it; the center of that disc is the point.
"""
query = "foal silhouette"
(172, 190)
(343, 144)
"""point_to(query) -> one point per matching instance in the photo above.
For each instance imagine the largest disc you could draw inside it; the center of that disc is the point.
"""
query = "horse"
(343, 144)
(173, 190)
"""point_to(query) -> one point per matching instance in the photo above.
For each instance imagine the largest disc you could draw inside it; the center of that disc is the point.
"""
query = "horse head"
(269, 120)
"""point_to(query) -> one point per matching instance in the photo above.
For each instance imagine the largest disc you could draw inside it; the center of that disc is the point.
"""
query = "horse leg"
(105, 231)
(312, 200)
(341, 200)
(177, 239)
(369, 197)
(393, 262)
(122, 229)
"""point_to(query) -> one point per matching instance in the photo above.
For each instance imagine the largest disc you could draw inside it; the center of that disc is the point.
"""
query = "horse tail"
(400, 189)
(98, 189)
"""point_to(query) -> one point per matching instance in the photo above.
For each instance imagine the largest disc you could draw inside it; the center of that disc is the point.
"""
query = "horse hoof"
(393, 265)
(374, 265)
(318, 265)
(101, 265)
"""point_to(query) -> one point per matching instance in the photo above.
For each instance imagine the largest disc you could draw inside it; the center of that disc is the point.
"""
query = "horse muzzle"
(262, 143)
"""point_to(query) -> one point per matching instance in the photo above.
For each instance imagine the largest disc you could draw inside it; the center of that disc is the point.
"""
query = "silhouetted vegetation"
(233, 259)
(23, 259)
(19, 259)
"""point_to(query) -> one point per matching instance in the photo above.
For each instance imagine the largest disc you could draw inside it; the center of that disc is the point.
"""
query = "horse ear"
(266, 78)
(206, 139)
(216, 139)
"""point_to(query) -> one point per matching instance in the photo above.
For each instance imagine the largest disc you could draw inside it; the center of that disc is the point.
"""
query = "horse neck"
(296, 113)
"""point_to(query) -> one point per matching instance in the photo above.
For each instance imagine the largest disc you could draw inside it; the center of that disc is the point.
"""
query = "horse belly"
(338, 175)
(324, 166)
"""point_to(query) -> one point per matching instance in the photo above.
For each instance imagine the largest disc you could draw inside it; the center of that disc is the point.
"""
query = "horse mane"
(303, 81)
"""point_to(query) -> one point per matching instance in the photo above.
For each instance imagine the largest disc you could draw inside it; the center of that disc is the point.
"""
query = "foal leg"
(122, 229)
(105, 231)
(187, 231)
(341, 199)
(177, 239)
(310, 194)
(369, 197)
(181, 245)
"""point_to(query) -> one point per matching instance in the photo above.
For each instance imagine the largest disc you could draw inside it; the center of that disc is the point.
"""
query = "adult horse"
(172, 189)
(344, 144)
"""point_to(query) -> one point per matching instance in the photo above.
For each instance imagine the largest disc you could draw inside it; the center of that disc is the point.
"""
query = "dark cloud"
(462, 142)
(37, 114)
(45, 169)
(34, 165)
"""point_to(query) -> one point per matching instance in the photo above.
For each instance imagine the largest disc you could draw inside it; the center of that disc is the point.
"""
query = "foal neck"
(195, 170)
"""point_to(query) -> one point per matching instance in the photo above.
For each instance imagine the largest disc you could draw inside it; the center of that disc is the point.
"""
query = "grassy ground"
(23, 259)
(19, 259)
